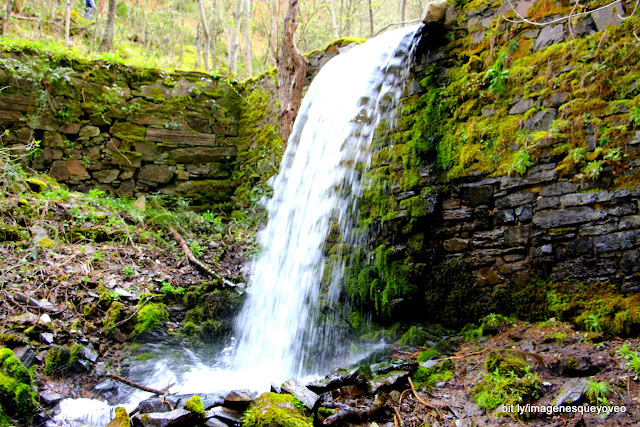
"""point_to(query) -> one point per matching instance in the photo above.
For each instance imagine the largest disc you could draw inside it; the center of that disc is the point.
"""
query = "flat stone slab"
(180, 137)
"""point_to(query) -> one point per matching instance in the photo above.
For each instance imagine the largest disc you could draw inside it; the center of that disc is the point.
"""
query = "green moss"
(57, 360)
(114, 315)
(506, 361)
(195, 406)
(17, 392)
(150, 316)
(428, 377)
(414, 337)
(121, 419)
(271, 409)
(598, 307)
(128, 131)
(427, 355)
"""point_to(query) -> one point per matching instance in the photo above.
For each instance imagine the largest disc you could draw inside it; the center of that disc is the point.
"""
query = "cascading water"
(319, 181)
(279, 331)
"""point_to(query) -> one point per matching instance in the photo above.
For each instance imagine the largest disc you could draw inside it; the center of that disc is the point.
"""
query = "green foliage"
(593, 169)
(506, 388)
(631, 358)
(497, 75)
(272, 409)
(634, 116)
(597, 392)
(520, 162)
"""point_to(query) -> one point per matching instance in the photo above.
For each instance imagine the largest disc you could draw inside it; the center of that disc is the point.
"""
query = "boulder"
(542, 120)
(521, 106)
(434, 11)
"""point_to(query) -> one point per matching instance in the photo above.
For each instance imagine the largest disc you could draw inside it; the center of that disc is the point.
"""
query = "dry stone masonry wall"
(514, 165)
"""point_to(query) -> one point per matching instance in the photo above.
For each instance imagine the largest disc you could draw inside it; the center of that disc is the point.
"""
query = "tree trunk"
(246, 35)
(234, 38)
(198, 47)
(371, 19)
(334, 23)
(403, 8)
(292, 70)
(7, 15)
(107, 40)
(207, 36)
(67, 20)
(273, 37)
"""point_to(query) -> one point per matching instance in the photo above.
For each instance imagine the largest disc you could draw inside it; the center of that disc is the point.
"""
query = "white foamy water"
(278, 332)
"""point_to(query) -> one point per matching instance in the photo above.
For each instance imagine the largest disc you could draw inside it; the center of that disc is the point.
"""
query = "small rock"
(47, 337)
(228, 416)
(45, 321)
(26, 319)
(25, 354)
(302, 393)
(89, 354)
(119, 336)
(157, 404)
(570, 392)
(238, 400)
(49, 397)
(521, 106)
(162, 419)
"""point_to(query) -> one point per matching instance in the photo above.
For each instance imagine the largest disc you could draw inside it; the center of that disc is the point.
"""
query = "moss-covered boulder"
(272, 409)
(195, 406)
(17, 393)
(121, 419)
(150, 316)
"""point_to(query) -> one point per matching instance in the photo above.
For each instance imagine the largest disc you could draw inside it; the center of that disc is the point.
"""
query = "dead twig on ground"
(192, 259)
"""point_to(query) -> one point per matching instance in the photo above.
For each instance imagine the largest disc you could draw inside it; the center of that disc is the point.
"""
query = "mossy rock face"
(271, 409)
(414, 337)
(17, 393)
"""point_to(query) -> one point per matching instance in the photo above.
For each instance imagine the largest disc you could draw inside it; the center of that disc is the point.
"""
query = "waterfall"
(278, 330)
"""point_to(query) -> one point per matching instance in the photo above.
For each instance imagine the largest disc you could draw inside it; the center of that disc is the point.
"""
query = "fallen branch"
(130, 383)
(350, 413)
(462, 356)
(192, 259)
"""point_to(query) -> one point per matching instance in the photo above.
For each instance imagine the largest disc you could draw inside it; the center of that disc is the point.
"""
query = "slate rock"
(157, 404)
(176, 417)
(521, 106)
(559, 189)
(226, 415)
(549, 35)
(542, 120)
(558, 98)
(571, 392)
(387, 380)
(569, 216)
(608, 16)
(25, 354)
(301, 392)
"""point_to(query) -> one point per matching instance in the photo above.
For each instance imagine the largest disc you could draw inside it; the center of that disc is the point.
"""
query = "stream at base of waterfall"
(280, 332)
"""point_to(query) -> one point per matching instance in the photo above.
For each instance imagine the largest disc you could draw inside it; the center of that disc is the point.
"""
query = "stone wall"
(457, 226)
(136, 131)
